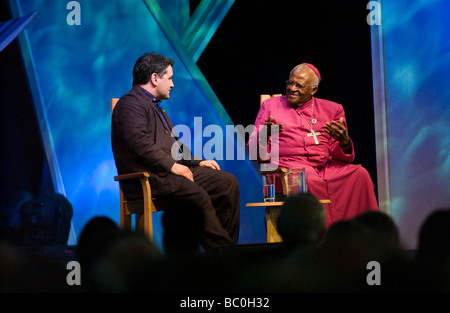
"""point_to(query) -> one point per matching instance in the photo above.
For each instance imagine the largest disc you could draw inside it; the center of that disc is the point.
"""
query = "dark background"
(253, 51)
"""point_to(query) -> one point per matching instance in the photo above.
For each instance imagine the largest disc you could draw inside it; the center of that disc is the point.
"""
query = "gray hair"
(315, 80)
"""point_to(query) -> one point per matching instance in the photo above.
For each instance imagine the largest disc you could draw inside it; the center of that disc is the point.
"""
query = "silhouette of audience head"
(183, 227)
(123, 260)
(95, 238)
(340, 259)
(381, 226)
(373, 233)
(433, 251)
(302, 219)
(346, 233)
(116, 261)
(434, 237)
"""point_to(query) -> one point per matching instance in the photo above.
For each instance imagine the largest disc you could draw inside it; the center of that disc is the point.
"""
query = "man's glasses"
(294, 84)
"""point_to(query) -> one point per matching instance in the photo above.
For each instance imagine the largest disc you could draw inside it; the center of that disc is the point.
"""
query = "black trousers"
(217, 193)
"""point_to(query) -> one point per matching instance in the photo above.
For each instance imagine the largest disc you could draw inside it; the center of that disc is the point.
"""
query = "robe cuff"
(347, 149)
(346, 155)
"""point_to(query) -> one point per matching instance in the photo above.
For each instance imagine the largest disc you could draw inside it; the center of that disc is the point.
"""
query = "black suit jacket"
(141, 143)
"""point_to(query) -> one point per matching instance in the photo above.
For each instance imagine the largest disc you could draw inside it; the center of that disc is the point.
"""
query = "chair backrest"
(266, 96)
(281, 171)
(113, 103)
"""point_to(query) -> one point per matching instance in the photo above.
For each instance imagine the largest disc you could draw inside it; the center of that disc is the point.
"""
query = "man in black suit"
(143, 140)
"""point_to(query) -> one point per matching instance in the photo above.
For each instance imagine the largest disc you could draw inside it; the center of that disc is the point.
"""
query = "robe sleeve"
(340, 155)
(337, 153)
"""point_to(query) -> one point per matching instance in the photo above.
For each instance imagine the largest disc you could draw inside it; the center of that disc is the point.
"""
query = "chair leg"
(271, 224)
(125, 216)
(144, 224)
(148, 220)
(148, 209)
(143, 221)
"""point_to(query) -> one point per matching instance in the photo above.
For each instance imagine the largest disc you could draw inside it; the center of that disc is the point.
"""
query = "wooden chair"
(141, 209)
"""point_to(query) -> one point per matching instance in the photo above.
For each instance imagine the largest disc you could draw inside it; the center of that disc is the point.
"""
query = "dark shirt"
(156, 104)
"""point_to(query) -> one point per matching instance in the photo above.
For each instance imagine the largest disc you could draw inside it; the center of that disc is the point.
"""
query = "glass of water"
(269, 188)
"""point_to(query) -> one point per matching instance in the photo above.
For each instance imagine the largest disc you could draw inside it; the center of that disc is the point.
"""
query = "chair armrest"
(137, 175)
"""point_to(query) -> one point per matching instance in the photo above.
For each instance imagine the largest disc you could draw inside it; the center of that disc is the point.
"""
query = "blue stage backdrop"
(411, 83)
(80, 54)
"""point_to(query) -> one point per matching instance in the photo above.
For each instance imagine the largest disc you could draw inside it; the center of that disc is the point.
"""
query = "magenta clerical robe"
(329, 174)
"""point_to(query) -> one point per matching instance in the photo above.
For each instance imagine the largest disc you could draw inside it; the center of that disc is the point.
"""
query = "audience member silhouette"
(350, 245)
(184, 267)
(276, 267)
(310, 259)
(383, 239)
(433, 252)
(381, 225)
(118, 267)
(337, 264)
(95, 237)
(434, 237)
(183, 225)
(302, 220)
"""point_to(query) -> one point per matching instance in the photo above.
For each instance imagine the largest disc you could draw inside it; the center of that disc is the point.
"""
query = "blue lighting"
(77, 69)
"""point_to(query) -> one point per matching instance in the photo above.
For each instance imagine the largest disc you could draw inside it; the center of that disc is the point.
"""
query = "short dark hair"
(148, 64)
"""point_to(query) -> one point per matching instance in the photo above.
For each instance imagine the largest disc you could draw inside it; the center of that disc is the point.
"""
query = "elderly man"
(313, 135)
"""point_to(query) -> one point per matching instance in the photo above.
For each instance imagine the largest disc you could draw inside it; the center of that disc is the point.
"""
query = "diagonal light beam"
(9, 30)
(203, 24)
(187, 59)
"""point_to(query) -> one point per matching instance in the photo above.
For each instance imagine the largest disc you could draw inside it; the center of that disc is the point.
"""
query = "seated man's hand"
(338, 131)
(210, 163)
(268, 123)
(182, 170)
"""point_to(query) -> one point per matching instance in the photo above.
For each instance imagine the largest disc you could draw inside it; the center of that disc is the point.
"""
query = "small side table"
(272, 212)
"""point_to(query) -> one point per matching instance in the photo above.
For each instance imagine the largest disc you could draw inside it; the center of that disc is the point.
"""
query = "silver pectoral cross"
(314, 134)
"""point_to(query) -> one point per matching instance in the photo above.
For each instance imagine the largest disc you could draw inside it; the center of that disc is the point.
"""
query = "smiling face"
(301, 86)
